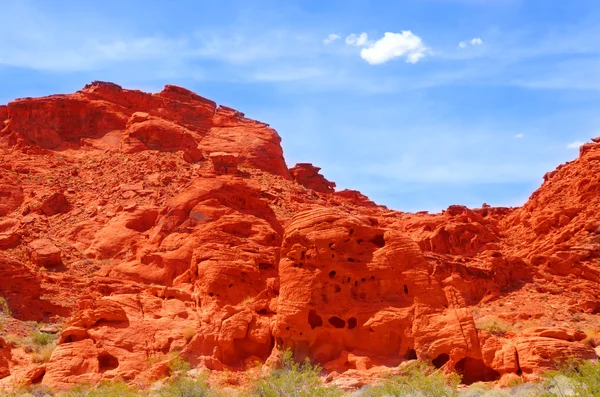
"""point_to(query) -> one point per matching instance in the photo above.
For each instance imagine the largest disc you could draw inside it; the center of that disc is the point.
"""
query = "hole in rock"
(363, 279)
(372, 277)
(337, 288)
(38, 379)
(230, 285)
(360, 240)
(378, 240)
(411, 354)
(300, 264)
(265, 266)
(440, 360)
(473, 370)
(314, 319)
(351, 232)
(333, 256)
(356, 283)
(107, 361)
(405, 289)
(337, 322)
(349, 279)
(350, 260)
(351, 323)
(332, 274)
(211, 294)
(331, 245)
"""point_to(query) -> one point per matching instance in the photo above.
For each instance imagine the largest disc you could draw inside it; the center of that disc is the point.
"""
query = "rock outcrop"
(159, 225)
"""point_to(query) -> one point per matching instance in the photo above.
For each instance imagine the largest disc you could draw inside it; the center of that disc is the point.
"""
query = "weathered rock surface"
(172, 226)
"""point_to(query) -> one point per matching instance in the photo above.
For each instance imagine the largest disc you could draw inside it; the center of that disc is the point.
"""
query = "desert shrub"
(4, 307)
(418, 379)
(178, 366)
(188, 333)
(574, 378)
(495, 327)
(104, 389)
(293, 380)
(29, 391)
(182, 386)
(42, 354)
(39, 338)
(42, 345)
(592, 338)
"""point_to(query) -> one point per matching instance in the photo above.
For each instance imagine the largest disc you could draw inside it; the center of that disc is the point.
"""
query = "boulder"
(44, 253)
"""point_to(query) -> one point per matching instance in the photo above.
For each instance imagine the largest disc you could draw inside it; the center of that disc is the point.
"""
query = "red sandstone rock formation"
(170, 224)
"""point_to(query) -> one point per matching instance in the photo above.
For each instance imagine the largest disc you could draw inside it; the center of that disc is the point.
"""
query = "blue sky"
(419, 104)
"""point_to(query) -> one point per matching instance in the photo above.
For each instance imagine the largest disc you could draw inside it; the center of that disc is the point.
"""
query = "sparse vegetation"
(43, 353)
(580, 379)
(593, 338)
(4, 309)
(178, 366)
(104, 389)
(182, 386)
(188, 333)
(495, 327)
(293, 380)
(418, 379)
(39, 338)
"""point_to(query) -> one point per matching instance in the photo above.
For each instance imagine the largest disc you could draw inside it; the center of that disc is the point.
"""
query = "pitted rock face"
(154, 251)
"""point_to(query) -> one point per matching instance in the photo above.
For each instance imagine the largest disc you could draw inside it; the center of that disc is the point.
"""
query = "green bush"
(574, 378)
(418, 379)
(41, 338)
(104, 389)
(182, 386)
(178, 366)
(294, 380)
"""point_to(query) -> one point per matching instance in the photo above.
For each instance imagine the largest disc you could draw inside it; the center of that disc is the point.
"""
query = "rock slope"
(148, 226)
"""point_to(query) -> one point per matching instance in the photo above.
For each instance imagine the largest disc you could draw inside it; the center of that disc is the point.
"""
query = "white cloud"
(331, 38)
(575, 145)
(520, 136)
(358, 40)
(471, 43)
(393, 45)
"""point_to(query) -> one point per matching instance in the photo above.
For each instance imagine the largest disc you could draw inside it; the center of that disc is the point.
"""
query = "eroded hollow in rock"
(411, 354)
(337, 322)
(473, 370)
(378, 240)
(107, 361)
(314, 319)
(351, 323)
(440, 360)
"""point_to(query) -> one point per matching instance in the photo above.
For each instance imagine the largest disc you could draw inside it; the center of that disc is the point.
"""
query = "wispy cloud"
(470, 43)
(331, 38)
(575, 145)
(358, 40)
(520, 136)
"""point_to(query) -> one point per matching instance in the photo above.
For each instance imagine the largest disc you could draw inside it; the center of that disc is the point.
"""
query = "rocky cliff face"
(154, 225)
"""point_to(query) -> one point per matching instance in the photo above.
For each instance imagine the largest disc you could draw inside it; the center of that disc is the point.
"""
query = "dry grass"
(188, 333)
(593, 337)
(42, 354)
(495, 327)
